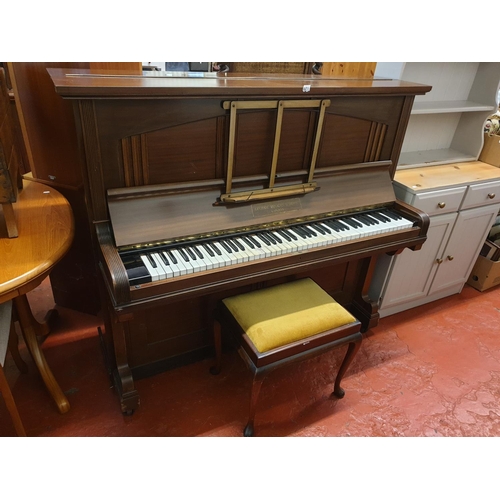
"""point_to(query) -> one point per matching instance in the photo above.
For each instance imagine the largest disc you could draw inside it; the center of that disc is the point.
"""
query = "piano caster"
(248, 432)
(214, 370)
(338, 393)
(128, 413)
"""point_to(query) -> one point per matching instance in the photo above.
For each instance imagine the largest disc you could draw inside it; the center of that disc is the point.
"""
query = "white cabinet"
(462, 201)
(446, 124)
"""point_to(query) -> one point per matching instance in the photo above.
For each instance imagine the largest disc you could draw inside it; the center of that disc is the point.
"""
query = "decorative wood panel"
(131, 68)
(270, 67)
(349, 69)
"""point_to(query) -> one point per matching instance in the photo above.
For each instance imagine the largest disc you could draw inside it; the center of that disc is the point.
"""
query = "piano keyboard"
(167, 262)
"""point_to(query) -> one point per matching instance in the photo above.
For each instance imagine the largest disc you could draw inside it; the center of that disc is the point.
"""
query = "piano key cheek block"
(202, 189)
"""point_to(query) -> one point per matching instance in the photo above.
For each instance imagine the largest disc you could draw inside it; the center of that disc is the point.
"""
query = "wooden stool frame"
(262, 363)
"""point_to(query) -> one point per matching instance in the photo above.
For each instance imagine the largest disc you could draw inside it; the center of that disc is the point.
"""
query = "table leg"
(30, 328)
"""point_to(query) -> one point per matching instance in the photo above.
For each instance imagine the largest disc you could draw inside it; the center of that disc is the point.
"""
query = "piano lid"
(80, 84)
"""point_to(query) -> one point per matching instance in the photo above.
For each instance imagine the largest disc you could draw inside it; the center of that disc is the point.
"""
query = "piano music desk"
(46, 229)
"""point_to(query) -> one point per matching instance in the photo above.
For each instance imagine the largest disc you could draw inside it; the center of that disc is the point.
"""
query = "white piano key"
(183, 266)
(175, 269)
(208, 262)
(166, 273)
(152, 270)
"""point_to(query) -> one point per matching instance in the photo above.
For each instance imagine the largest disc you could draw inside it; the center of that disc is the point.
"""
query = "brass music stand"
(271, 191)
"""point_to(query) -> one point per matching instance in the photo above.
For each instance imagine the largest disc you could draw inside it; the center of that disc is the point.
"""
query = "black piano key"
(299, 231)
(184, 255)
(284, 235)
(163, 257)
(239, 245)
(151, 260)
(138, 275)
(208, 249)
(335, 225)
(352, 222)
(392, 215)
(215, 248)
(190, 252)
(342, 224)
(233, 246)
(277, 238)
(172, 256)
(367, 219)
(325, 228)
(254, 240)
(197, 252)
(318, 228)
(380, 217)
(225, 246)
(289, 233)
(309, 231)
(264, 239)
(271, 237)
(248, 241)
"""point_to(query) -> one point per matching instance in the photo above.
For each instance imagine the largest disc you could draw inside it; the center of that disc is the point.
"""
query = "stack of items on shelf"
(486, 271)
(491, 149)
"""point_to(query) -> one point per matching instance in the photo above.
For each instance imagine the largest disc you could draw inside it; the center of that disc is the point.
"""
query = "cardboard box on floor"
(485, 274)
(491, 150)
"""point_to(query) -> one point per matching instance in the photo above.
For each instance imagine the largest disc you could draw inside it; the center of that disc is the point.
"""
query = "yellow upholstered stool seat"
(282, 324)
(273, 317)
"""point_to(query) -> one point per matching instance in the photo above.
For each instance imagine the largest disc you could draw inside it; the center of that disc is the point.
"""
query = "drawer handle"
(491, 196)
(439, 261)
(450, 257)
(441, 204)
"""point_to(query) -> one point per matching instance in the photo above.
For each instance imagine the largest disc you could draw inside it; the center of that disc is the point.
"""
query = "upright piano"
(202, 186)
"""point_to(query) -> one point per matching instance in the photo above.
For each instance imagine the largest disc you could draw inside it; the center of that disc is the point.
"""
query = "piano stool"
(283, 324)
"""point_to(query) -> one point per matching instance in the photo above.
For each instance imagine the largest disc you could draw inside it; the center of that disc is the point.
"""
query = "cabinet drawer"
(439, 202)
(482, 194)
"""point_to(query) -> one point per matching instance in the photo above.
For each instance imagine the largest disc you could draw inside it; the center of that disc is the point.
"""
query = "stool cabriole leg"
(351, 352)
(258, 378)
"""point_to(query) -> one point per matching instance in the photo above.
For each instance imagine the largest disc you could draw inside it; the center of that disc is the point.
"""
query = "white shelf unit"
(446, 124)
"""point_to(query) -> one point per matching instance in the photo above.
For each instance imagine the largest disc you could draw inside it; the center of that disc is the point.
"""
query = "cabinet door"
(412, 272)
(463, 247)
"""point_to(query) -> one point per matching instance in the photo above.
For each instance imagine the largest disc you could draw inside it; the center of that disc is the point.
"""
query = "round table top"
(46, 229)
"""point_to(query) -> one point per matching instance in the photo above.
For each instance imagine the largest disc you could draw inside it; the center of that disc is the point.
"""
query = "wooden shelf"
(435, 157)
(422, 108)
(446, 124)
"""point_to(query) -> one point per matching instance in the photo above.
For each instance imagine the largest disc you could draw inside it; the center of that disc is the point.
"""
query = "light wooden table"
(46, 229)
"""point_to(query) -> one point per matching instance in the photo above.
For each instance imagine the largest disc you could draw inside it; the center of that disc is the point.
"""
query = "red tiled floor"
(430, 371)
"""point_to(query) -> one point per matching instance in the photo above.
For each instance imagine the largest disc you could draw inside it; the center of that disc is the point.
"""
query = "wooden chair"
(10, 160)
(8, 339)
(284, 324)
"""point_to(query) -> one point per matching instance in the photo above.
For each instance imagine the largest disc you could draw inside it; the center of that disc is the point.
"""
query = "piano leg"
(122, 374)
(364, 309)
(114, 341)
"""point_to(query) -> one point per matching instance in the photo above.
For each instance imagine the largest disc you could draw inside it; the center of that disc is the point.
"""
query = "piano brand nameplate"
(276, 207)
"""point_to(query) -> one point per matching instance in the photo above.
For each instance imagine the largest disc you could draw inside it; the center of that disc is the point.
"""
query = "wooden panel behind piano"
(195, 150)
